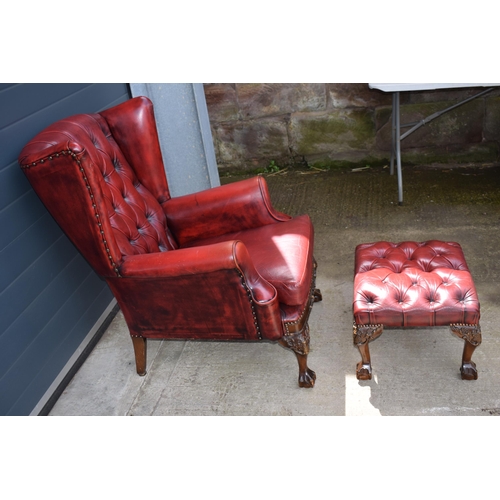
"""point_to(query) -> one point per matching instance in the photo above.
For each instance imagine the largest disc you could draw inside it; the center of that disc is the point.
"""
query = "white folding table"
(397, 137)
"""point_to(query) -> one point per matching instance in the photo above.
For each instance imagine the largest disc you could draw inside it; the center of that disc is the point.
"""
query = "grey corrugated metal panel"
(19, 216)
(47, 353)
(77, 359)
(20, 101)
(31, 317)
(16, 259)
(124, 97)
(38, 279)
(94, 323)
(13, 184)
(90, 99)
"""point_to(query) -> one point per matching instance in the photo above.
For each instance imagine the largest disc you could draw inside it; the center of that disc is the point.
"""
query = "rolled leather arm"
(225, 209)
(200, 260)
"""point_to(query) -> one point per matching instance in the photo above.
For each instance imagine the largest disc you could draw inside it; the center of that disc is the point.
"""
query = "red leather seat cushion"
(281, 253)
(413, 284)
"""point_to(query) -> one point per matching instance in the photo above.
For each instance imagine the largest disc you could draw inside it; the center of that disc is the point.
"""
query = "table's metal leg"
(398, 149)
(393, 132)
(397, 137)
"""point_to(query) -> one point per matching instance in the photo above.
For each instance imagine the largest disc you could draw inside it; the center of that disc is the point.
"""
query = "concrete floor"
(416, 371)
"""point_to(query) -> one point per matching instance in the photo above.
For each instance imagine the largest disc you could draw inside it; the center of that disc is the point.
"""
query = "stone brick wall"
(344, 124)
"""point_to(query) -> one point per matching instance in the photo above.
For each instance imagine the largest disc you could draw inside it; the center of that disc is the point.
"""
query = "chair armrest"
(199, 260)
(225, 209)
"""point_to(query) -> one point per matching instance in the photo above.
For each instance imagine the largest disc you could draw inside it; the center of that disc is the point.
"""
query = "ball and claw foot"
(469, 371)
(363, 371)
(307, 378)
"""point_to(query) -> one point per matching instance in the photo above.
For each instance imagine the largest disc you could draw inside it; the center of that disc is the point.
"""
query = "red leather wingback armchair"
(220, 264)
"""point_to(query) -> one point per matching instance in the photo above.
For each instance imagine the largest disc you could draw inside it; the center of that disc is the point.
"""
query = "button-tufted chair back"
(102, 171)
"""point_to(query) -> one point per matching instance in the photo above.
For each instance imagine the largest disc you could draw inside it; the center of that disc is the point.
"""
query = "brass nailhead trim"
(250, 299)
(355, 325)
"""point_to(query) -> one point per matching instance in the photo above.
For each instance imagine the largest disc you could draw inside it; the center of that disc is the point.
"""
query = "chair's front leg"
(298, 342)
(140, 349)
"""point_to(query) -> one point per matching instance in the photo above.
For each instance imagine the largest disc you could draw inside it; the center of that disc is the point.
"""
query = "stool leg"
(362, 335)
(472, 337)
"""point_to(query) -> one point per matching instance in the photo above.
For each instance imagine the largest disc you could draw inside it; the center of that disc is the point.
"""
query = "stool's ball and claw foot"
(362, 335)
(471, 334)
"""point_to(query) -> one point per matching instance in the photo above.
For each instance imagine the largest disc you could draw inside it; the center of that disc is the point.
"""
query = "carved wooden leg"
(363, 334)
(140, 354)
(472, 337)
(317, 295)
(298, 342)
(306, 376)
(364, 367)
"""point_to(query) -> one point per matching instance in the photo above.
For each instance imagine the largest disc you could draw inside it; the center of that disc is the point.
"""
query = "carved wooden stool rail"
(412, 284)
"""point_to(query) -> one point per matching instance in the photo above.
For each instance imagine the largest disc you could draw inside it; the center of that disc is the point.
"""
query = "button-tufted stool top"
(413, 284)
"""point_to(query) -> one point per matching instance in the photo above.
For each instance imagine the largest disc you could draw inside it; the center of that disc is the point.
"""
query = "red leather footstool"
(412, 284)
